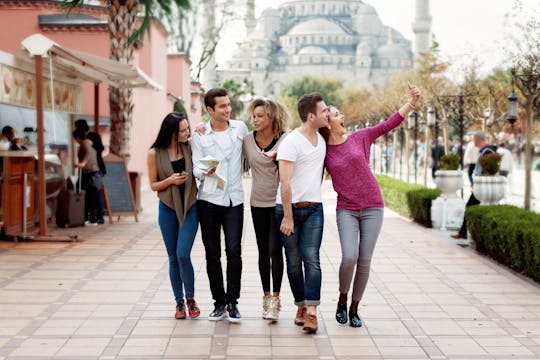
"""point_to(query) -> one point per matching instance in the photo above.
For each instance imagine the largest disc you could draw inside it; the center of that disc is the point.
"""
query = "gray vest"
(171, 195)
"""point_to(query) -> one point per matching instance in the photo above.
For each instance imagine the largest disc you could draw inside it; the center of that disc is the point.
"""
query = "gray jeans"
(358, 233)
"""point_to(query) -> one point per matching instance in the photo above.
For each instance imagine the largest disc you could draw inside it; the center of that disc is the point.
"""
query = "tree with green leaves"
(126, 34)
(295, 89)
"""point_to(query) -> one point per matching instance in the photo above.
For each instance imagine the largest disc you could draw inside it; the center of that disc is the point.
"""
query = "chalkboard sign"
(117, 188)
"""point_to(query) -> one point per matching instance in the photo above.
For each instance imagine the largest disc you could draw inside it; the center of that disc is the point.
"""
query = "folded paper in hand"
(207, 163)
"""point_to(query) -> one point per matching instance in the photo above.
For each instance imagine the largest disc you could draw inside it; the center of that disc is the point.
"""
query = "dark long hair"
(169, 130)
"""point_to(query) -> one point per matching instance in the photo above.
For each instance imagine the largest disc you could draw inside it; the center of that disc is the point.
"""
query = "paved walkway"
(108, 297)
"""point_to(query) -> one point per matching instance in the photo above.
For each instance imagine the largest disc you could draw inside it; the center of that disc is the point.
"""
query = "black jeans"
(269, 245)
(472, 201)
(91, 184)
(212, 218)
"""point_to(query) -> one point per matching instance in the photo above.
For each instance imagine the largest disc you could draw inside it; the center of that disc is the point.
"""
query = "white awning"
(79, 65)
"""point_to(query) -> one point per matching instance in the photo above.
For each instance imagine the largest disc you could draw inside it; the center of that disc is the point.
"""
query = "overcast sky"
(463, 28)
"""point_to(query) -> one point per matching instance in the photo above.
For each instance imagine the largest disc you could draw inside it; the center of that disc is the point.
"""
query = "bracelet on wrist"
(413, 106)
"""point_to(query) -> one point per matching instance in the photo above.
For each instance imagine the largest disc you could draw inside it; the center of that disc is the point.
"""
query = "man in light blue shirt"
(220, 200)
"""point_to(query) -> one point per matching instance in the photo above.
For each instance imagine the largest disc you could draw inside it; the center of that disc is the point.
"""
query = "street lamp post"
(529, 85)
(412, 123)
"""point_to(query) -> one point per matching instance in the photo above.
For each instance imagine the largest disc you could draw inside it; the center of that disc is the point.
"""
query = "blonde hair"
(276, 112)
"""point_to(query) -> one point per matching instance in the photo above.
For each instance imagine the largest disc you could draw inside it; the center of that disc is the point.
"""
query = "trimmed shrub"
(508, 234)
(410, 200)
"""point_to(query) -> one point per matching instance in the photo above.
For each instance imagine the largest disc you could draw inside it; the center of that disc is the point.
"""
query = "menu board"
(117, 188)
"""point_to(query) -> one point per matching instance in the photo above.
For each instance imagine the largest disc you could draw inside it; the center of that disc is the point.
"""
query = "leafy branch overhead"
(148, 9)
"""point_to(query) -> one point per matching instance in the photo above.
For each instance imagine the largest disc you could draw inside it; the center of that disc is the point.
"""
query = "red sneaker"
(180, 311)
(193, 309)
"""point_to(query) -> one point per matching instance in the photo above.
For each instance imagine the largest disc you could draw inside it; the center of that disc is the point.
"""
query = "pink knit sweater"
(348, 164)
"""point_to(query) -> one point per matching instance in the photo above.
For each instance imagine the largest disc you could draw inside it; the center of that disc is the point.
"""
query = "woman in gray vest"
(170, 174)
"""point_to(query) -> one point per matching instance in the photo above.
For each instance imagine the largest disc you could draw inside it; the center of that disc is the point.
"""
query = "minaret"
(422, 27)
(249, 20)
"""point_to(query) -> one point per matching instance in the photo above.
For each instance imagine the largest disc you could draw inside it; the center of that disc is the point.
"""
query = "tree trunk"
(122, 21)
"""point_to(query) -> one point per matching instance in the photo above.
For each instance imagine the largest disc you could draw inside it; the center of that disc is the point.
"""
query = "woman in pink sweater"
(360, 205)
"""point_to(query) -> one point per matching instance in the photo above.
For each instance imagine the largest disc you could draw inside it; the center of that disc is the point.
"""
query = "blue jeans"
(302, 248)
(178, 242)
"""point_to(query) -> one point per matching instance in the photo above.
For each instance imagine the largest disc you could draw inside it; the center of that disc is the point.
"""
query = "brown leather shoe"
(300, 316)
(310, 323)
(458, 236)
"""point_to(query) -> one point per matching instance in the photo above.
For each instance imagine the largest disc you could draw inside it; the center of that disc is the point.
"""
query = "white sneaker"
(266, 305)
(275, 307)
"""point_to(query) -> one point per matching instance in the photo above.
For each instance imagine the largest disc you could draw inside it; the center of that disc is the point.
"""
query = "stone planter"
(449, 181)
(489, 190)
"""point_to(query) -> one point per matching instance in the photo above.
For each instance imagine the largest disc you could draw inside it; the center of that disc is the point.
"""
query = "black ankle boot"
(354, 319)
(341, 313)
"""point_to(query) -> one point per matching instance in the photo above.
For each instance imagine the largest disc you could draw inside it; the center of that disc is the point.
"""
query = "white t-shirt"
(308, 166)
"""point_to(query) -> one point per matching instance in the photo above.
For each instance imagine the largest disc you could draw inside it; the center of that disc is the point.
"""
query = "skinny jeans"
(358, 233)
(179, 242)
(213, 217)
(270, 247)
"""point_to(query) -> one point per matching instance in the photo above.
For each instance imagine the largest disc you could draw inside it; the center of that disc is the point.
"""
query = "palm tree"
(125, 36)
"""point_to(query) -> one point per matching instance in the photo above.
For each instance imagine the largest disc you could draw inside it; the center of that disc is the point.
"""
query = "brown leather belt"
(303, 204)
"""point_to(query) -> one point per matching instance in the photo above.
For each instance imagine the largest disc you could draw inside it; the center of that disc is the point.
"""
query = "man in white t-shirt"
(299, 210)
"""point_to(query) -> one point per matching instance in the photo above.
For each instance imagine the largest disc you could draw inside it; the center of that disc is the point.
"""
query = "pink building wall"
(150, 106)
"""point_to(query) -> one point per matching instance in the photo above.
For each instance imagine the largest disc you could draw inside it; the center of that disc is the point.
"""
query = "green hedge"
(410, 200)
(509, 234)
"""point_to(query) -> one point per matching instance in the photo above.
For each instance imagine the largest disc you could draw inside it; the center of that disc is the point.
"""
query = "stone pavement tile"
(462, 312)
(458, 346)
(58, 327)
(426, 312)
(21, 310)
(99, 327)
(154, 327)
(145, 347)
(254, 352)
(513, 312)
(531, 328)
(412, 352)
(23, 297)
(81, 347)
(499, 351)
(188, 346)
(296, 351)
(301, 341)
(481, 327)
(11, 327)
(39, 347)
(111, 311)
(441, 327)
(386, 327)
(254, 341)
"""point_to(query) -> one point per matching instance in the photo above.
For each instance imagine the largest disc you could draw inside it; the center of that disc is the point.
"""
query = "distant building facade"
(337, 39)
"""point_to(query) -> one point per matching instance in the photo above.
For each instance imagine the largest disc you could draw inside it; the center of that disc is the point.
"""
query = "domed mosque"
(335, 39)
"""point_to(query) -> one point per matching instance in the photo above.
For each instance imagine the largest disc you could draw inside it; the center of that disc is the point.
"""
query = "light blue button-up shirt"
(207, 144)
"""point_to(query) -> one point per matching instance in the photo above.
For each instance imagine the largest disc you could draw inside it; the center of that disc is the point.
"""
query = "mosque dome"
(363, 49)
(392, 51)
(316, 26)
